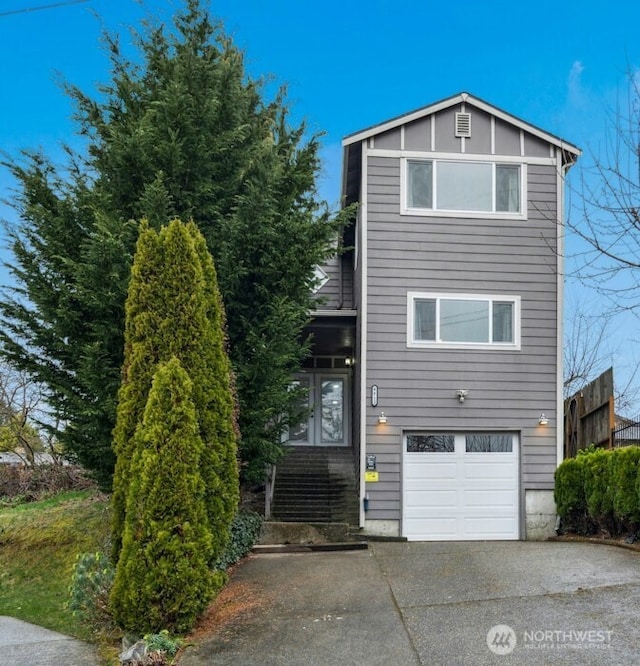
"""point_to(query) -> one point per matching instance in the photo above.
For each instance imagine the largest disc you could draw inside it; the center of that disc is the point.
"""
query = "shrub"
(174, 309)
(163, 642)
(569, 495)
(153, 650)
(20, 483)
(245, 529)
(624, 483)
(598, 488)
(162, 577)
(90, 588)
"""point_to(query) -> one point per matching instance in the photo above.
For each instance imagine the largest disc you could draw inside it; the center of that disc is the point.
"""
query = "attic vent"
(463, 124)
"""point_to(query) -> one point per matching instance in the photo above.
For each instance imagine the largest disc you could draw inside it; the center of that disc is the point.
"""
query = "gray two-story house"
(438, 342)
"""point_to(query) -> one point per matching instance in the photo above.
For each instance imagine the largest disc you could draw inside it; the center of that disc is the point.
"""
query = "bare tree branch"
(24, 417)
(607, 216)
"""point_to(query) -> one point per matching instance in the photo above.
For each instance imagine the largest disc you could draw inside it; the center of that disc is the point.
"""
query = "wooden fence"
(589, 416)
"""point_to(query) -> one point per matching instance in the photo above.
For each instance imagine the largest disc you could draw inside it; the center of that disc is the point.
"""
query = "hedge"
(599, 490)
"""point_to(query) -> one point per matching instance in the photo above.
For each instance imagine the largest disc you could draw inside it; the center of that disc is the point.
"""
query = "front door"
(327, 423)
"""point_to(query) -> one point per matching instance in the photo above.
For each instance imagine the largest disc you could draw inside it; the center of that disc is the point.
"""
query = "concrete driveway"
(430, 604)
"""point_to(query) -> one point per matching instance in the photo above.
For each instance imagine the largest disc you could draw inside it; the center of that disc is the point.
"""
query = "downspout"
(340, 269)
(362, 314)
(565, 161)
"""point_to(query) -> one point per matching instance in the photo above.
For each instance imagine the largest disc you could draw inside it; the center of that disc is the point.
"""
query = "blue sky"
(559, 65)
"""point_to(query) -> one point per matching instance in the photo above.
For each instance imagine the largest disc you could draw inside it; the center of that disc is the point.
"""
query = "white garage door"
(460, 486)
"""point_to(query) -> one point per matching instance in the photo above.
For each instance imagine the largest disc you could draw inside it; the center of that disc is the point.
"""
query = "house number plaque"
(374, 396)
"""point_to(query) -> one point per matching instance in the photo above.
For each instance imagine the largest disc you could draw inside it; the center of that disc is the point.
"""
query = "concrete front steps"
(316, 485)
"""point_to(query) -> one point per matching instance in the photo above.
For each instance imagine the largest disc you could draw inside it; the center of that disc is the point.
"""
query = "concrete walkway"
(506, 603)
(24, 644)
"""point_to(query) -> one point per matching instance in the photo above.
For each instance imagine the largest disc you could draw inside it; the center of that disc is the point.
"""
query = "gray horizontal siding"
(329, 297)
(416, 387)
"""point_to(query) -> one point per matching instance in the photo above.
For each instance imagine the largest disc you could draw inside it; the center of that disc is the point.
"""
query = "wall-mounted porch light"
(543, 420)
(382, 419)
(462, 394)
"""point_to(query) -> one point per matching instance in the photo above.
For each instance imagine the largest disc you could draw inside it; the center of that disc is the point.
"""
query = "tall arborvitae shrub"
(569, 495)
(162, 578)
(174, 309)
(141, 321)
(219, 408)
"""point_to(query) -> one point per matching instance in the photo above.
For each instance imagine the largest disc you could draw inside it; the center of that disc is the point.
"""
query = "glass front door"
(327, 401)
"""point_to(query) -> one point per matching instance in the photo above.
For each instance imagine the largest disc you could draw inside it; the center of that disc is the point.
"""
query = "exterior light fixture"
(543, 420)
(462, 394)
(382, 419)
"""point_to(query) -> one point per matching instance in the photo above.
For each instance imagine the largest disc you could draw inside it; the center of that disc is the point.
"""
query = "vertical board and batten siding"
(417, 387)
(480, 140)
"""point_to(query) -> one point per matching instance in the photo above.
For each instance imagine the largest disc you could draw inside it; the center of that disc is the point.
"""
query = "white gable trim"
(466, 157)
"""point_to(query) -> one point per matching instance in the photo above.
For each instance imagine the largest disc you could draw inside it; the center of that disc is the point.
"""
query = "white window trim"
(439, 157)
(412, 296)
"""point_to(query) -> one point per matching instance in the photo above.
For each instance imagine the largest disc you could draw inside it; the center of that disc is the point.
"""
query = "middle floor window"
(460, 186)
(463, 320)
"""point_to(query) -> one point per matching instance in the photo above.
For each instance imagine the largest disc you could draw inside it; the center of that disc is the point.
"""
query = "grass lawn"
(39, 543)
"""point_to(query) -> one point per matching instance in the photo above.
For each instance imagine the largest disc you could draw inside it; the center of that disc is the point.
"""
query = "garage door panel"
(497, 485)
(420, 485)
(495, 528)
(426, 499)
(440, 470)
(447, 476)
(462, 495)
(484, 470)
(488, 498)
(436, 529)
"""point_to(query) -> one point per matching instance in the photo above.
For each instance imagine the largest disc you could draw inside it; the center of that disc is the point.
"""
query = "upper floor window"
(463, 187)
(463, 321)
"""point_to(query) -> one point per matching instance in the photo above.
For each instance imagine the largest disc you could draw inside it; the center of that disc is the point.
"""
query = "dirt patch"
(619, 541)
(237, 601)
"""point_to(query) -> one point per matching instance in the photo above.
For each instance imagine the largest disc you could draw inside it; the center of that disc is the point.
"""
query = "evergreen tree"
(186, 133)
(162, 577)
(174, 309)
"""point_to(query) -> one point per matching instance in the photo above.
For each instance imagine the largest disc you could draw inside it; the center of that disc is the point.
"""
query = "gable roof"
(453, 101)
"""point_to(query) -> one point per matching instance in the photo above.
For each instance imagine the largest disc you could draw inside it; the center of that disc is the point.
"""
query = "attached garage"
(460, 486)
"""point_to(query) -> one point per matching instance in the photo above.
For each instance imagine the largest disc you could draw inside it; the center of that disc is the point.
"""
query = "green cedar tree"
(183, 133)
